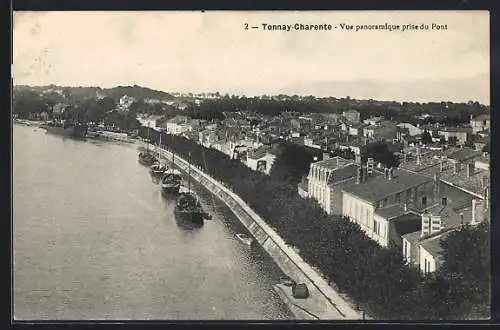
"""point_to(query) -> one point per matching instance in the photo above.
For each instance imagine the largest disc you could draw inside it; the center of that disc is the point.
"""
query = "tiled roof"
(331, 163)
(259, 152)
(464, 154)
(456, 129)
(412, 237)
(391, 212)
(433, 244)
(376, 188)
(481, 117)
(343, 173)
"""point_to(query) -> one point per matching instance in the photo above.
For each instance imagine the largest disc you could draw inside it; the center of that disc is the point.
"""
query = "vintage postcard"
(231, 165)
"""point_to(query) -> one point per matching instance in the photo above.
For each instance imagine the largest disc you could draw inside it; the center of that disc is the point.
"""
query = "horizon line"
(222, 94)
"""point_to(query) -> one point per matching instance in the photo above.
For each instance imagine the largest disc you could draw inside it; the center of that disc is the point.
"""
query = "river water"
(95, 240)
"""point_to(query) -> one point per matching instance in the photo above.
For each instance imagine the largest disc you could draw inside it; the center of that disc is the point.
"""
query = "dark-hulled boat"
(158, 169)
(171, 182)
(77, 130)
(146, 158)
(188, 208)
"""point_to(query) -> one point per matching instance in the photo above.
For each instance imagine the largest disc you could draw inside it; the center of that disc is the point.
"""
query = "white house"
(460, 133)
(323, 176)
(480, 123)
(384, 205)
(261, 159)
(423, 248)
(177, 125)
(412, 130)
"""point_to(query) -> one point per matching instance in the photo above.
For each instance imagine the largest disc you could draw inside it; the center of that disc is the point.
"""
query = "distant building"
(177, 125)
(352, 116)
(125, 103)
(412, 130)
(150, 121)
(480, 123)
(207, 138)
(463, 158)
(460, 133)
(373, 120)
(381, 131)
(261, 159)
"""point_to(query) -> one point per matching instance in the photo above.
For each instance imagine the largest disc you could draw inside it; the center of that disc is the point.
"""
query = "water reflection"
(188, 225)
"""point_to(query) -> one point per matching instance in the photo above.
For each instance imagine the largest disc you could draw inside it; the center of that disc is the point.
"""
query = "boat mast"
(159, 150)
(189, 172)
(147, 140)
(173, 156)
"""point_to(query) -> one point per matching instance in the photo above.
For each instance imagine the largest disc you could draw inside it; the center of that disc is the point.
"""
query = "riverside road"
(95, 240)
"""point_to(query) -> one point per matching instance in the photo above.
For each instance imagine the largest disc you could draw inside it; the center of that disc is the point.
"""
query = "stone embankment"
(324, 302)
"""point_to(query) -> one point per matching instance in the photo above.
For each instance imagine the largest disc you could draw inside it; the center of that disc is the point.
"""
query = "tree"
(426, 137)
(466, 263)
(380, 152)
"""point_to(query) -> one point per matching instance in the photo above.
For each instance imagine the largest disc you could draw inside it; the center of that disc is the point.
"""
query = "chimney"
(473, 211)
(386, 173)
(426, 224)
(369, 166)
(365, 174)
(389, 173)
(436, 187)
(484, 181)
(358, 159)
(359, 174)
(326, 155)
(441, 164)
(470, 169)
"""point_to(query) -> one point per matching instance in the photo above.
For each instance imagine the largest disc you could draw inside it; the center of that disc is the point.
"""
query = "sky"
(213, 52)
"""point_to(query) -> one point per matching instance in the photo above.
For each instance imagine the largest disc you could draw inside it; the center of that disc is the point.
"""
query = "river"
(93, 239)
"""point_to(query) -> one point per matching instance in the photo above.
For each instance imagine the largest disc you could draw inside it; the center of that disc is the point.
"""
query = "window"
(376, 227)
(405, 251)
(425, 265)
(424, 201)
(443, 201)
(398, 198)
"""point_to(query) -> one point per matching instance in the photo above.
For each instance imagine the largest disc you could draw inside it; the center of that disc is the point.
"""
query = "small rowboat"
(245, 239)
(286, 281)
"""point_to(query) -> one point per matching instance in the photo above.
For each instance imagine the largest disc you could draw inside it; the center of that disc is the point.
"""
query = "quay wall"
(324, 302)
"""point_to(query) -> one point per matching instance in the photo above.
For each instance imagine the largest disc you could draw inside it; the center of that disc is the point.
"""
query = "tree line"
(447, 113)
(84, 110)
(375, 277)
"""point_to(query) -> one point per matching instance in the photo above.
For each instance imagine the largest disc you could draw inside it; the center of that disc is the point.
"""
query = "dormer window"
(444, 201)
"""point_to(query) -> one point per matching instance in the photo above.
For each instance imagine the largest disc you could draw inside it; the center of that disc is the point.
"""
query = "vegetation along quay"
(323, 302)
